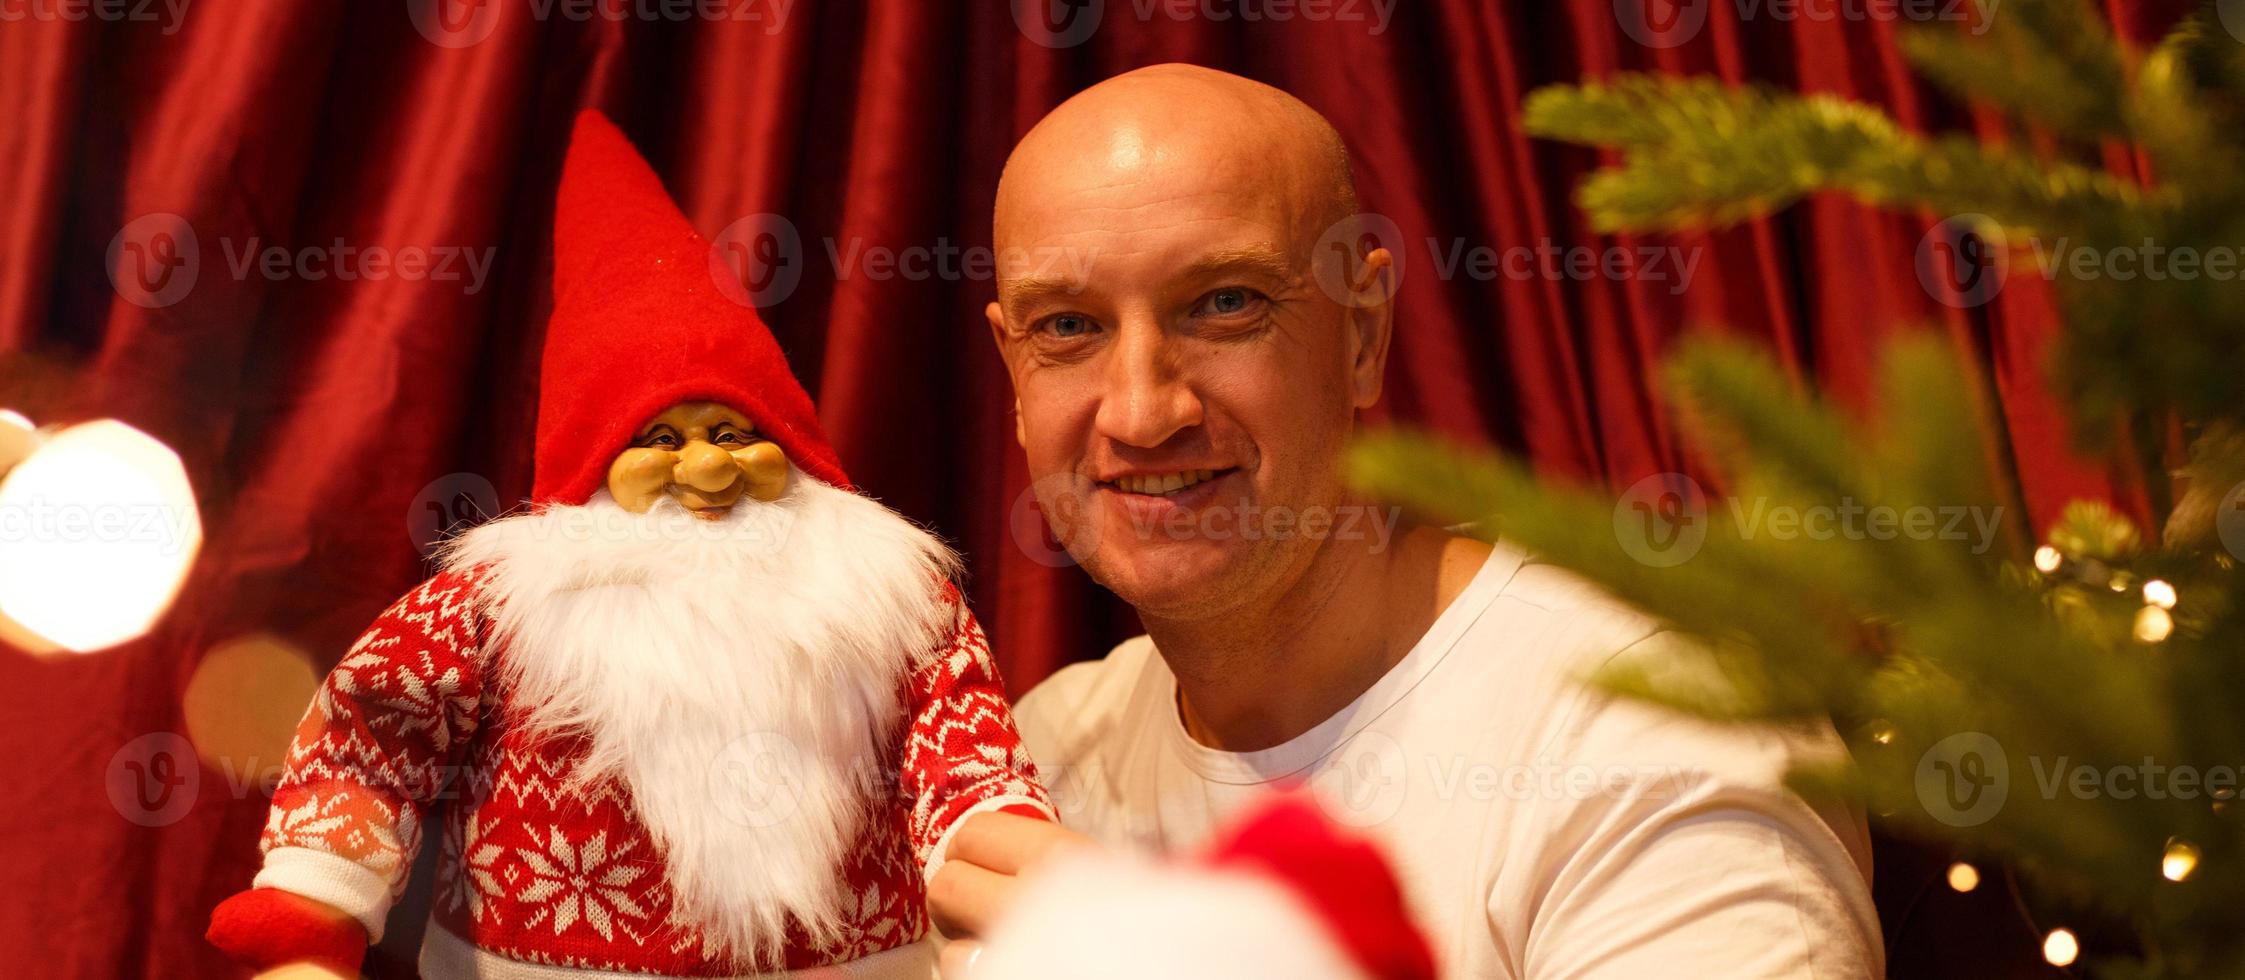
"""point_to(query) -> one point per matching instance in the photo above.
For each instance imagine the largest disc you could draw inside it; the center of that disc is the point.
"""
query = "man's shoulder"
(1544, 615)
(1078, 703)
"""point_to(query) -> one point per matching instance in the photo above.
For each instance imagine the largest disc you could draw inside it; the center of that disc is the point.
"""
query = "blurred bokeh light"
(98, 526)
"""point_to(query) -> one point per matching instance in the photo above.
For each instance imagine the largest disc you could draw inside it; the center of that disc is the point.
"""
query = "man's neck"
(1262, 675)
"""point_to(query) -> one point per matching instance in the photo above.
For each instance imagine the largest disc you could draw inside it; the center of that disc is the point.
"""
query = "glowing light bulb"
(2060, 948)
(1963, 877)
(2159, 593)
(2180, 859)
(2047, 559)
(98, 527)
(2153, 624)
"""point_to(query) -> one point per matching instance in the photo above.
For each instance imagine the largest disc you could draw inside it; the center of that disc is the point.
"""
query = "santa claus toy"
(700, 711)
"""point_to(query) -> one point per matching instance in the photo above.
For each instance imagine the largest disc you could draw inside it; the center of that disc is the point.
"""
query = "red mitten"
(266, 927)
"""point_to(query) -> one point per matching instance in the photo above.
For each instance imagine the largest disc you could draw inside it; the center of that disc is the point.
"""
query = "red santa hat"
(639, 325)
(1284, 893)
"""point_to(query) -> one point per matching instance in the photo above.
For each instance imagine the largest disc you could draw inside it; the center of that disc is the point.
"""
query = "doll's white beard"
(742, 679)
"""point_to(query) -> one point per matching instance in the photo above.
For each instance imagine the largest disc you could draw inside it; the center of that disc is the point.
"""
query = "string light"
(2180, 859)
(1963, 877)
(2159, 593)
(2060, 948)
(2153, 624)
(2047, 559)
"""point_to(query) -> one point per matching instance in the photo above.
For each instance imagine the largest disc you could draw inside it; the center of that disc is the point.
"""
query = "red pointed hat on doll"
(639, 325)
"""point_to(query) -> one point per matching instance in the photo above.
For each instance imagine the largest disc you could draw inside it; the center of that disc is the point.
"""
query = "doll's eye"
(730, 436)
(663, 438)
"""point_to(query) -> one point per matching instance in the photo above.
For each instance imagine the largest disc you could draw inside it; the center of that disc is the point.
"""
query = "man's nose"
(704, 467)
(1148, 397)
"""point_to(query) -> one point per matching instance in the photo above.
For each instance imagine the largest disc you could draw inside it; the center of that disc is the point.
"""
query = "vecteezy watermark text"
(171, 13)
(1965, 259)
(758, 260)
(1965, 779)
(465, 23)
(1067, 23)
(40, 519)
(1663, 520)
(1669, 23)
(1548, 260)
(155, 260)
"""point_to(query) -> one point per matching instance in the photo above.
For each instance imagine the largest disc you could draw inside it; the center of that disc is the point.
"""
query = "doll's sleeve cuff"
(328, 878)
(1027, 806)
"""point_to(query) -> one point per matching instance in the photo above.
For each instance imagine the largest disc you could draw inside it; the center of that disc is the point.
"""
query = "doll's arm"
(962, 755)
(381, 740)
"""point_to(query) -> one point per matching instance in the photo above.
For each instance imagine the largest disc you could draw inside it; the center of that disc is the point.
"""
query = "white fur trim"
(995, 803)
(332, 879)
(1098, 915)
(444, 955)
(741, 677)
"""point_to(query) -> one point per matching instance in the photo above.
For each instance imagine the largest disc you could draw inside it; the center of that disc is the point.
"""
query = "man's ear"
(1371, 316)
(997, 318)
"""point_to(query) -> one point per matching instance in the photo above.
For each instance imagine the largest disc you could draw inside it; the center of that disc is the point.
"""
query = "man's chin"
(1175, 579)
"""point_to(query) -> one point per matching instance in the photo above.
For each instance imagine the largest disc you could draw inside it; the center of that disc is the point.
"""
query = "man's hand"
(976, 881)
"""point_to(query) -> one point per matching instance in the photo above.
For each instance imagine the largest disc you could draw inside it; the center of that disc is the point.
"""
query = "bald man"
(1184, 405)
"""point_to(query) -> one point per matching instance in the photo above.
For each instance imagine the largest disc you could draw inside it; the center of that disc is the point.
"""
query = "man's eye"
(1070, 325)
(1229, 301)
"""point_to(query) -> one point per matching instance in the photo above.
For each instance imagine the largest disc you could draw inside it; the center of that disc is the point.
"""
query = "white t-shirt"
(1541, 829)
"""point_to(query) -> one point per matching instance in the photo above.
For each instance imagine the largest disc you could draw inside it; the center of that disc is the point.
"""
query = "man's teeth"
(1158, 484)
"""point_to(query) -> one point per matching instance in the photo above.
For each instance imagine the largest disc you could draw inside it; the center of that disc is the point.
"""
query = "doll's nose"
(705, 468)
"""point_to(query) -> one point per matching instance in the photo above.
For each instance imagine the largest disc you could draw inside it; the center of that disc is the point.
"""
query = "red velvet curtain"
(331, 424)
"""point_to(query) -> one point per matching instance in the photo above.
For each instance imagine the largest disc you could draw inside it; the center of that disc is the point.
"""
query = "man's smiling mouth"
(1163, 484)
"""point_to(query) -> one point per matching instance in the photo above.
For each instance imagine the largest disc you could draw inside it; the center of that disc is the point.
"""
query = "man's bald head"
(1184, 117)
(1191, 325)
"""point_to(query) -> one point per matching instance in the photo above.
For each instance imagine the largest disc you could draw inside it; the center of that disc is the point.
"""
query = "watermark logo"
(754, 780)
(154, 259)
(1338, 258)
(153, 780)
(1661, 23)
(448, 505)
(1058, 23)
(2229, 521)
(454, 23)
(1661, 520)
(1049, 523)
(757, 261)
(1963, 261)
(1964, 779)
(1366, 781)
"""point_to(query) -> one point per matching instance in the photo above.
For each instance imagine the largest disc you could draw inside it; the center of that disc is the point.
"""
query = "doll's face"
(704, 455)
